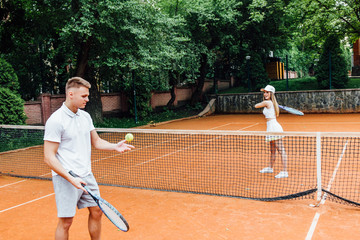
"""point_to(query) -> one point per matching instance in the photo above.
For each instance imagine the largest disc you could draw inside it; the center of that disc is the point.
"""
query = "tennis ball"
(129, 137)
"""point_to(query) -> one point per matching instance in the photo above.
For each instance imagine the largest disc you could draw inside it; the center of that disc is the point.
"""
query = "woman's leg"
(281, 149)
(272, 153)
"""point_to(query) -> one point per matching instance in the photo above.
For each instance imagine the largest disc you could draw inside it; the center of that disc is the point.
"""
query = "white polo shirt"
(72, 131)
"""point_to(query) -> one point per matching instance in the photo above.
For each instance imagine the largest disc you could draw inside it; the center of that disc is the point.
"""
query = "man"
(69, 134)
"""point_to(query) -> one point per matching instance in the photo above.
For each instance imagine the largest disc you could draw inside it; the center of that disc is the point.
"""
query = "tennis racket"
(110, 212)
(292, 110)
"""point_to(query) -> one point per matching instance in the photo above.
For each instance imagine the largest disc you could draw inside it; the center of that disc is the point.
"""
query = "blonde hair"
(77, 82)
(276, 105)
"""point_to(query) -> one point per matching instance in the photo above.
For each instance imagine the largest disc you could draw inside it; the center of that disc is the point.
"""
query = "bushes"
(11, 108)
(8, 77)
(11, 104)
(257, 74)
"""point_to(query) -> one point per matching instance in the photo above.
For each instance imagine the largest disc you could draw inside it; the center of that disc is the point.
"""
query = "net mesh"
(225, 163)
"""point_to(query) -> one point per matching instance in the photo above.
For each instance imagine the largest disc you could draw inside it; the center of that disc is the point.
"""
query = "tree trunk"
(94, 106)
(197, 95)
(172, 82)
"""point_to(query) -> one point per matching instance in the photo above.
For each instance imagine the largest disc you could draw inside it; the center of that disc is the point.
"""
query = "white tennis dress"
(272, 125)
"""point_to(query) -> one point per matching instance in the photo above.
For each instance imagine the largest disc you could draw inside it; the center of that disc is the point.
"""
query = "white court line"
(134, 150)
(21, 181)
(168, 154)
(1, 211)
(10, 184)
(313, 226)
(139, 149)
(316, 123)
(221, 126)
(248, 126)
(323, 199)
(234, 123)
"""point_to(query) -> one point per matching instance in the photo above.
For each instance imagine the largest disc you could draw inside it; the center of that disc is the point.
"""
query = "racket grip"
(76, 176)
(73, 174)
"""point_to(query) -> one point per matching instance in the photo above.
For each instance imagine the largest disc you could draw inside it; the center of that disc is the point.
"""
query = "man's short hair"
(77, 82)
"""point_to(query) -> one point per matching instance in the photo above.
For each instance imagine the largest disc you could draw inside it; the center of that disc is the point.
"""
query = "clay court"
(27, 209)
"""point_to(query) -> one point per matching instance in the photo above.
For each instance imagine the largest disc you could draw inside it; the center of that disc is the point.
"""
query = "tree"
(103, 41)
(11, 107)
(331, 71)
(210, 24)
(11, 104)
(314, 21)
(29, 33)
(8, 77)
(257, 74)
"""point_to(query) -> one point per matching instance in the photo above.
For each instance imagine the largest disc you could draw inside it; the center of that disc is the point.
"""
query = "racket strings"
(114, 216)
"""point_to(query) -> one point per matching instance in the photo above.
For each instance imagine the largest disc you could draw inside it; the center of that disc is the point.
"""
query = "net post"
(318, 165)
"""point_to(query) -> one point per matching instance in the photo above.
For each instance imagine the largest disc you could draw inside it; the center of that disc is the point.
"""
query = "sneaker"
(267, 170)
(282, 174)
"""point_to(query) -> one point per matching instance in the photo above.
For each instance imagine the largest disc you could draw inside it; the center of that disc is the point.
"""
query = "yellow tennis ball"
(129, 137)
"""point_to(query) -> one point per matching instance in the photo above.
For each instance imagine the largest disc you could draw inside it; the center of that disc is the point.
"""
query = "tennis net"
(225, 163)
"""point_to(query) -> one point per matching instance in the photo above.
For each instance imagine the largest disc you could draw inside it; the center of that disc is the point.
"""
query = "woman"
(271, 111)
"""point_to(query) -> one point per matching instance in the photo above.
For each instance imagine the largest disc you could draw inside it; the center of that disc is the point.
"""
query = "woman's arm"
(262, 104)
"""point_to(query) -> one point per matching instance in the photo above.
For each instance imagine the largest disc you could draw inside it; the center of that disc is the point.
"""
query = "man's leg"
(62, 229)
(95, 223)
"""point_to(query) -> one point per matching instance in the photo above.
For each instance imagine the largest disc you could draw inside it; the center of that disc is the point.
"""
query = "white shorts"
(273, 126)
(69, 197)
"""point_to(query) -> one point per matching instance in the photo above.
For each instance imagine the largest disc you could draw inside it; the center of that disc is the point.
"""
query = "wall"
(113, 103)
(39, 111)
(33, 112)
(325, 101)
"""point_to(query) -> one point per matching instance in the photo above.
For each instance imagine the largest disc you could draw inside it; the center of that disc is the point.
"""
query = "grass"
(154, 117)
(354, 83)
(298, 84)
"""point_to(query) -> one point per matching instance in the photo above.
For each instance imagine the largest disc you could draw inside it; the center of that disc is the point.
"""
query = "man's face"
(79, 96)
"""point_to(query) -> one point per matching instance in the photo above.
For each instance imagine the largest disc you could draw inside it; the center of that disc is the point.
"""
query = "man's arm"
(102, 144)
(50, 150)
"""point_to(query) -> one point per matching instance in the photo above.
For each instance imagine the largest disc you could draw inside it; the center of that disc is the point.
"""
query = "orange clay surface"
(28, 211)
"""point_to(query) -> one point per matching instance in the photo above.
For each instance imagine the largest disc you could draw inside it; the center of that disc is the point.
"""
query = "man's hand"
(123, 147)
(77, 182)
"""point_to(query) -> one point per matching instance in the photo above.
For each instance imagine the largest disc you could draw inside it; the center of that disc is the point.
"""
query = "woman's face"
(267, 95)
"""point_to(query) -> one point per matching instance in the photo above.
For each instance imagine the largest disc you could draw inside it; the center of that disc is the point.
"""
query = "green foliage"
(13, 138)
(330, 16)
(133, 40)
(155, 39)
(256, 71)
(11, 108)
(332, 54)
(8, 77)
(30, 43)
(152, 118)
(353, 83)
(11, 104)
(297, 84)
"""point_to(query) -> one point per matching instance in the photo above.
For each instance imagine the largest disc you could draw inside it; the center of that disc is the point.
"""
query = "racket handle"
(73, 174)
(76, 176)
